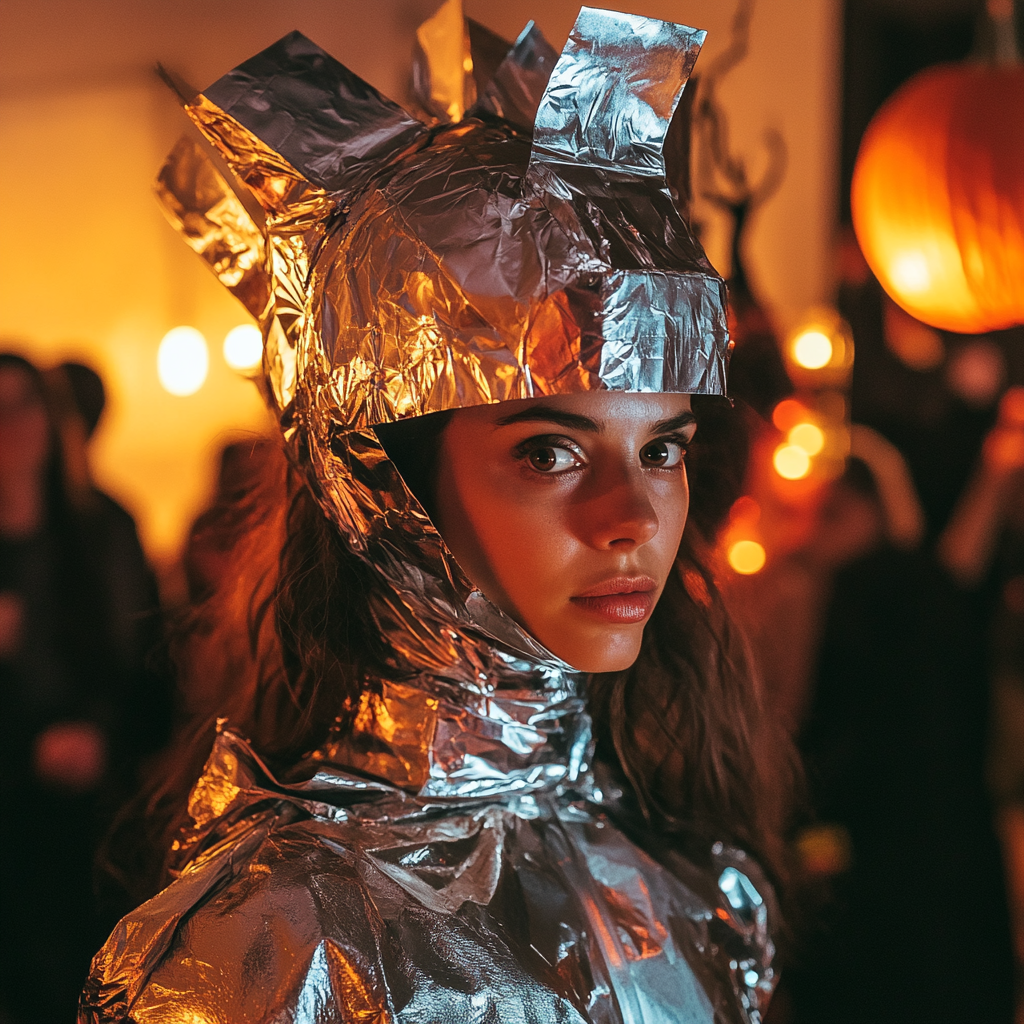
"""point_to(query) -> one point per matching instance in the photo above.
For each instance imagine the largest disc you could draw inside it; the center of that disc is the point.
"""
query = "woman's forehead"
(603, 405)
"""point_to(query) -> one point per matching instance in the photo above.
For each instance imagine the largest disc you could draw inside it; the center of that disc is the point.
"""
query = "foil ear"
(611, 97)
(301, 132)
(517, 86)
(444, 78)
(203, 208)
(292, 122)
(462, 69)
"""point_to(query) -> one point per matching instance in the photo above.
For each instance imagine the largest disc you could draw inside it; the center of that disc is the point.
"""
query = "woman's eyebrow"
(684, 419)
(544, 414)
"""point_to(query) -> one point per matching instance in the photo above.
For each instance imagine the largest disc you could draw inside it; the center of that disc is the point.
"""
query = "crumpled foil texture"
(341, 898)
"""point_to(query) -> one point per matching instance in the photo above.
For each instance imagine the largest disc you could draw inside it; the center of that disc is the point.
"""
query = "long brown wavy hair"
(278, 640)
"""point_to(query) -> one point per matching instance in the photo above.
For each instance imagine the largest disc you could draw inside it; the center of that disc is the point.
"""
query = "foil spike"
(612, 94)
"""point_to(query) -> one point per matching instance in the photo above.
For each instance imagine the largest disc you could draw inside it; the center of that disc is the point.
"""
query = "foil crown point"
(613, 92)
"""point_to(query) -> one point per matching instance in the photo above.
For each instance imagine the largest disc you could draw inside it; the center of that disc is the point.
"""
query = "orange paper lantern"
(938, 196)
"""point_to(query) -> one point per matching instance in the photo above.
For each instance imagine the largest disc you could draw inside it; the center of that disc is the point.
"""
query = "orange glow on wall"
(938, 196)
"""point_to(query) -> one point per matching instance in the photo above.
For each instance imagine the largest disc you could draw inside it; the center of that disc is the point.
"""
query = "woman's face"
(567, 512)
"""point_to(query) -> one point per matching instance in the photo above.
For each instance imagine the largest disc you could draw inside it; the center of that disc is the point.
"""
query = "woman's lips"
(623, 599)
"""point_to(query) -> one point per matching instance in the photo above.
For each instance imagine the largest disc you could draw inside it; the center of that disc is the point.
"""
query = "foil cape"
(452, 856)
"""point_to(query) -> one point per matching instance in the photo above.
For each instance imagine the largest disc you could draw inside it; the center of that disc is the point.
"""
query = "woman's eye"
(552, 459)
(662, 454)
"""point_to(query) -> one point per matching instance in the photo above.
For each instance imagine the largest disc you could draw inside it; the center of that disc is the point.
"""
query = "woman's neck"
(22, 505)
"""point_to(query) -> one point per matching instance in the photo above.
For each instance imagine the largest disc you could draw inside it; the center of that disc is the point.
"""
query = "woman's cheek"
(529, 556)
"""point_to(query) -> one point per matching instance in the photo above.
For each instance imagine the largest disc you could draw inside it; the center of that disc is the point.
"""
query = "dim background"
(90, 270)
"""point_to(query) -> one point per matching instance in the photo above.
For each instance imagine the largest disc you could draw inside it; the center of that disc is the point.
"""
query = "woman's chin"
(610, 650)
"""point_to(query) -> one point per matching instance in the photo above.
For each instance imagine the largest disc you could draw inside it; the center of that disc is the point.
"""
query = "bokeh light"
(745, 510)
(791, 462)
(182, 361)
(812, 349)
(746, 557)
(243, 348)
(808, 436)
(788, 413)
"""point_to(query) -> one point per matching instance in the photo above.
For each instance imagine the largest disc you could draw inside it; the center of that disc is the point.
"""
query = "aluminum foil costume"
(451, 858)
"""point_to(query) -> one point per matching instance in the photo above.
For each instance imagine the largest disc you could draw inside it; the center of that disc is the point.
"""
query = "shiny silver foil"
(453, 857)
(344, 897)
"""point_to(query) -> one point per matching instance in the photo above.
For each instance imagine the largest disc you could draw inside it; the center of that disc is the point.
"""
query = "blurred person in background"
(983, 547)
(207, 555)
(78, 709)
(901, 855)
(209, 568)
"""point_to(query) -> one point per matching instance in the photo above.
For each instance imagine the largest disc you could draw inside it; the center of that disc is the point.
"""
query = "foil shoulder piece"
(343, 898)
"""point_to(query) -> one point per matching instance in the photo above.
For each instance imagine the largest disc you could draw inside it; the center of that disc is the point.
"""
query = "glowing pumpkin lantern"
(938, 196)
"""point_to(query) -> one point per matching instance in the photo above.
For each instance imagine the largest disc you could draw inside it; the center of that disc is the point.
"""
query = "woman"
(482, 355)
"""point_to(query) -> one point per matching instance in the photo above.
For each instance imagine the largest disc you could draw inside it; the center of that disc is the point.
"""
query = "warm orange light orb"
(243, 348)
(812, 349)
(938, 196)
(746, 557)
(182, 361)
(787, 414)
(808, 436)
(791, 462)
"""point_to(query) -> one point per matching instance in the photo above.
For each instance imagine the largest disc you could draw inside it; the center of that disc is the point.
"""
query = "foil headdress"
(399, 269)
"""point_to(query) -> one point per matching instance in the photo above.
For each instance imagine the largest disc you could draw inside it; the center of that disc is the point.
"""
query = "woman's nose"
(621, 515)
